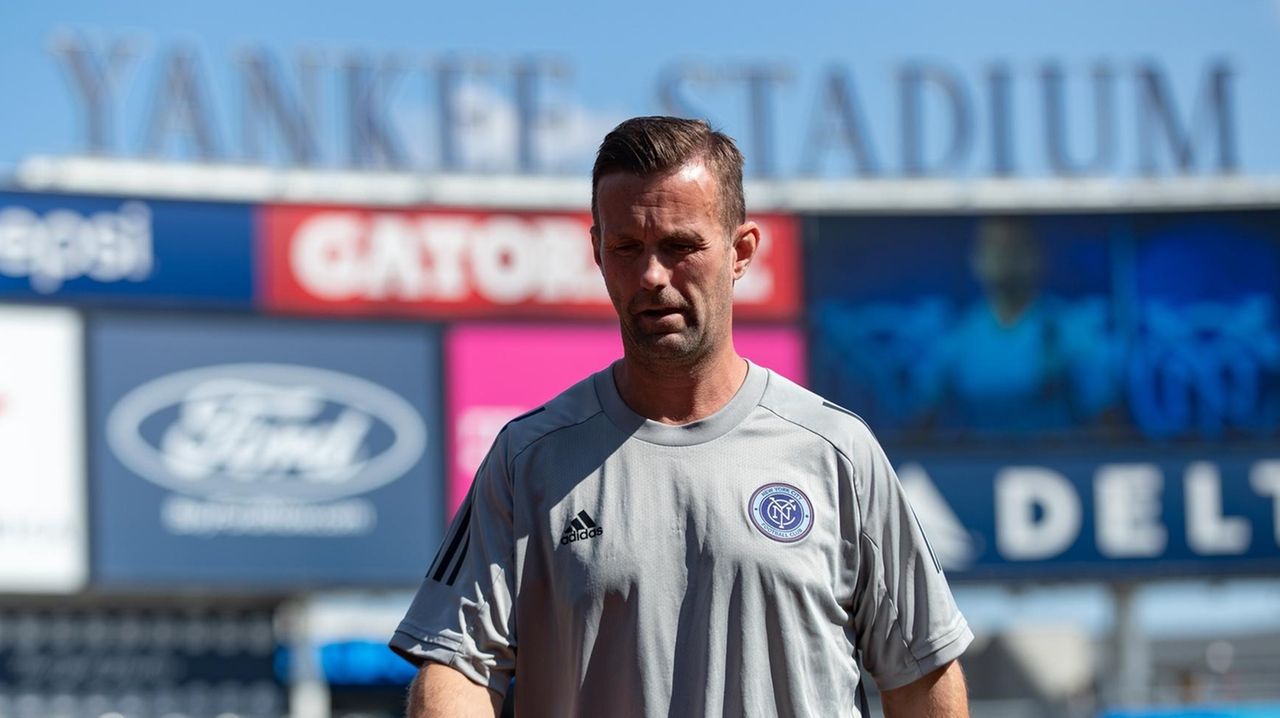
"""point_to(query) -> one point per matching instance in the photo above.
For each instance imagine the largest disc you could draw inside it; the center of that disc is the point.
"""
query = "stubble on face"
(665, 330)
(677, 323)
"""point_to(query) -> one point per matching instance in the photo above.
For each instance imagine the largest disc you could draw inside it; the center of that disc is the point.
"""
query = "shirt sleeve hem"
(946, 648)
(440, 649)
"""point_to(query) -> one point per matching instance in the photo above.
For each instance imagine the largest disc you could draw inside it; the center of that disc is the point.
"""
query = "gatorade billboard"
(450, 263)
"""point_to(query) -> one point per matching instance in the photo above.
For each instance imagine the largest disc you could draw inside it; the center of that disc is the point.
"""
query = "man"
(683, 533)
(1018, 360)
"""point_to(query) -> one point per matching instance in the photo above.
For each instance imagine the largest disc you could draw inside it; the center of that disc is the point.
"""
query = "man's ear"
(746, 240)
(595, 244)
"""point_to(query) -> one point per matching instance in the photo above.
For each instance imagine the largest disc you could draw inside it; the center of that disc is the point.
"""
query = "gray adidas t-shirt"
(734, 566)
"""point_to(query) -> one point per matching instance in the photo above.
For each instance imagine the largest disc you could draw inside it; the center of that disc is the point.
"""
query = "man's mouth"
(666, 318)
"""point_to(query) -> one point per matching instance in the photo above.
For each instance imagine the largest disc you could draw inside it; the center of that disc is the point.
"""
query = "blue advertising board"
(1117, 516)
(1114, 328)
(257, 452)
(1071, 395)
(353, 663)
(72, 248)
(1225, 710)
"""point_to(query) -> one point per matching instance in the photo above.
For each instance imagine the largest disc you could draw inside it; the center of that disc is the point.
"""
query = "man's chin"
(674, 348)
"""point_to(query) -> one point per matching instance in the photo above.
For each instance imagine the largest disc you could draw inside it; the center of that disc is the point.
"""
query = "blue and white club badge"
(782, 512)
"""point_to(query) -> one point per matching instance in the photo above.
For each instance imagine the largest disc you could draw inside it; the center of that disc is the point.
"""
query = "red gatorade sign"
(448, 263)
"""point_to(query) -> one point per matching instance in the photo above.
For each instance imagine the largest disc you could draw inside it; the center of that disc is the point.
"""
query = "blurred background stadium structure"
(272, 277)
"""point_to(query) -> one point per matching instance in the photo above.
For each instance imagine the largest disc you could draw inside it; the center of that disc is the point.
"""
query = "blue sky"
(617, 55)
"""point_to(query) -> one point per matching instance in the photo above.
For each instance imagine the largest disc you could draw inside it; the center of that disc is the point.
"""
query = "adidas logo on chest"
(581, 528)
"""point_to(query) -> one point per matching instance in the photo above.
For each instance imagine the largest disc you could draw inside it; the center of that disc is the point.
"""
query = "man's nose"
(656, 274)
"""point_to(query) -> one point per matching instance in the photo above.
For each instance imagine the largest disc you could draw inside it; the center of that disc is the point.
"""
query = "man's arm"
(940, 694)
(439, 691)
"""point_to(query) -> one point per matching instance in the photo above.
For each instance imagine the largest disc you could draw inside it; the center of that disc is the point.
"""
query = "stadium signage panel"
(43, 532)
(1084, 330)
(69, 247)
(490, 113)
(256, 430)
(64, 244)
(449, 263)
(274, 452)
(1212, 710)
(355, 662)
(488, 387)
(1074, 518)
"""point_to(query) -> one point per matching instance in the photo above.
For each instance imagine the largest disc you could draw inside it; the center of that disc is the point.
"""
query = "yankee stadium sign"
(459, 114)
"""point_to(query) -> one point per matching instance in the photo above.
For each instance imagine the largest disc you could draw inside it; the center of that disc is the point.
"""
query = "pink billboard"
(497, 372)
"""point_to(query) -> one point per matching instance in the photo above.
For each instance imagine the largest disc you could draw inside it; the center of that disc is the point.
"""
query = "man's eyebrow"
(683, 235)
(675, 235)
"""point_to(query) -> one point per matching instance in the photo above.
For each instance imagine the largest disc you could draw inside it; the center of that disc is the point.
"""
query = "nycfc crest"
(782, 512)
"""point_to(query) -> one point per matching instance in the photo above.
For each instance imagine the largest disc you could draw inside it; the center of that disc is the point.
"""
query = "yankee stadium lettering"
(483, 113)
(255, 431)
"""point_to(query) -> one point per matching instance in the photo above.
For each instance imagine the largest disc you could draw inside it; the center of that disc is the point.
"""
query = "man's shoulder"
(811, 412)
(570, 407)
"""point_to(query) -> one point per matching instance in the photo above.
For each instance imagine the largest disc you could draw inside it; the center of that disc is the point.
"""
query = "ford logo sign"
(266, 432)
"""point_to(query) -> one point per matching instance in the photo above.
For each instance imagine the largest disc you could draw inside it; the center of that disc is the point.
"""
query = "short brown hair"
(649, 146)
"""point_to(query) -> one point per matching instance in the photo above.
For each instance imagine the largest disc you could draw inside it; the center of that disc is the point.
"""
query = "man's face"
(669, 262)
(1007, 260)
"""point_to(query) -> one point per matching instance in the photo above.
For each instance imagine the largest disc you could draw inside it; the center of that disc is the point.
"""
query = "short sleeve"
(905, 619)
(462, 615)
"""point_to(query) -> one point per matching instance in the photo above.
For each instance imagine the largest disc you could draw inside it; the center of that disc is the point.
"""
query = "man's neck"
(1009, 309)
(683, 395)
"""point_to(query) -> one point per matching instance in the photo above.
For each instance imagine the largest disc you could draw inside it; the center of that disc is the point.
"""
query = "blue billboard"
(1102, 516)
(1224, 710)
(72, 248)
(1050, 329)
(1070, 395)
(263, 453)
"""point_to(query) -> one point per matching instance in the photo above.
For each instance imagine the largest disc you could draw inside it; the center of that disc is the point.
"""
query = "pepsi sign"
(70, 247)
(264, 451)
